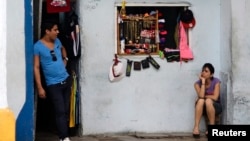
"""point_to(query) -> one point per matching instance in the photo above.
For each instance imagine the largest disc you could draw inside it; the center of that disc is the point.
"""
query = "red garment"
(54, 7)
(185, 52)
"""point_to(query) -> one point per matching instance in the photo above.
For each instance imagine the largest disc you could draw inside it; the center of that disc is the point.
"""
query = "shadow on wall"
(224, 96)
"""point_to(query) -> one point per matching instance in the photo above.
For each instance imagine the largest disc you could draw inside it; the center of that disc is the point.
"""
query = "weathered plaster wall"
(240, 59)
(226, 61)
(149, 100)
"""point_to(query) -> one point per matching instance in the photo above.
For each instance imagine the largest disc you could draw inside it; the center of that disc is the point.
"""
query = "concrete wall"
(226, 61)
(149, 100)
(240, 57)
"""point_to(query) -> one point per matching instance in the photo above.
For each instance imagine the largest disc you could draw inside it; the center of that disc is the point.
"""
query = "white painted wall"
(15, 58)
(149, 100)
(3, 77)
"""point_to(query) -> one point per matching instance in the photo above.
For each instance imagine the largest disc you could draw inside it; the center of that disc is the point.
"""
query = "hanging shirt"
(71, 37)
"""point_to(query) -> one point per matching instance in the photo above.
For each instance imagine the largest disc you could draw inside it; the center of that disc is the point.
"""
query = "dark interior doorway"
(44, 114)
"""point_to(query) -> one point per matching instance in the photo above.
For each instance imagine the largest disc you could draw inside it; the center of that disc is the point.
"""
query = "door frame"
(25, 129)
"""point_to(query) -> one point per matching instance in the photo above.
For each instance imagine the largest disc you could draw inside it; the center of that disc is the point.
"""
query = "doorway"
(44, 114)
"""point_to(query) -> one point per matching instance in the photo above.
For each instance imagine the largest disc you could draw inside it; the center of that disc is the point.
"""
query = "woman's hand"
(203, 80)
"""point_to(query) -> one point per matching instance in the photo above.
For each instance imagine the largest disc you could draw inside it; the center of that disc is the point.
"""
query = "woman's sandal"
(196, 135)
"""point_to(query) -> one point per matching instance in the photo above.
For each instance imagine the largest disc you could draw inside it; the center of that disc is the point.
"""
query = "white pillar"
(7, 120)
(3, 67)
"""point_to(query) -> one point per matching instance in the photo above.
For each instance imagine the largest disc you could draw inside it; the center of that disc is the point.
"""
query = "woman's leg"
(210, 111)
(198, 114)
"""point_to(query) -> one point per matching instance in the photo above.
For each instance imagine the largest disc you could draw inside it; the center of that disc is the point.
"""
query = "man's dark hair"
(47, 25)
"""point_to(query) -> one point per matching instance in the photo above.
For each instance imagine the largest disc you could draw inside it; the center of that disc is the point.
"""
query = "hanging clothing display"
(71, 36)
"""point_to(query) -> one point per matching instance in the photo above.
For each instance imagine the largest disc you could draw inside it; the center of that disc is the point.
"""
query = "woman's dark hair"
(47, 25)
(210, 67)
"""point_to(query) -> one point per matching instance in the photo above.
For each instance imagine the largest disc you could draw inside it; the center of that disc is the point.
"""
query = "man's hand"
(41, 93)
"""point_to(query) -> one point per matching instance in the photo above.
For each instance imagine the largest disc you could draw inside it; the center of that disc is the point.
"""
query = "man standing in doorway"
(51, 57)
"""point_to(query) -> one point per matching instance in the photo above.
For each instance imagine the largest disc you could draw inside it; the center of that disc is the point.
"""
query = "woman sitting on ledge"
(208, 97)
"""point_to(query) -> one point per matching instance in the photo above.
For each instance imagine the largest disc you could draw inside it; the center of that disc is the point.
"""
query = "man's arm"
(37, 75)
(64, 55)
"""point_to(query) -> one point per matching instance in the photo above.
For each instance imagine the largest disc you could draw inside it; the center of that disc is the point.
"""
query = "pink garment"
(185, 52)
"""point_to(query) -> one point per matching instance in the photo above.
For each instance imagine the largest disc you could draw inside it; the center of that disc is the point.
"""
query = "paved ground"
(136, 137)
